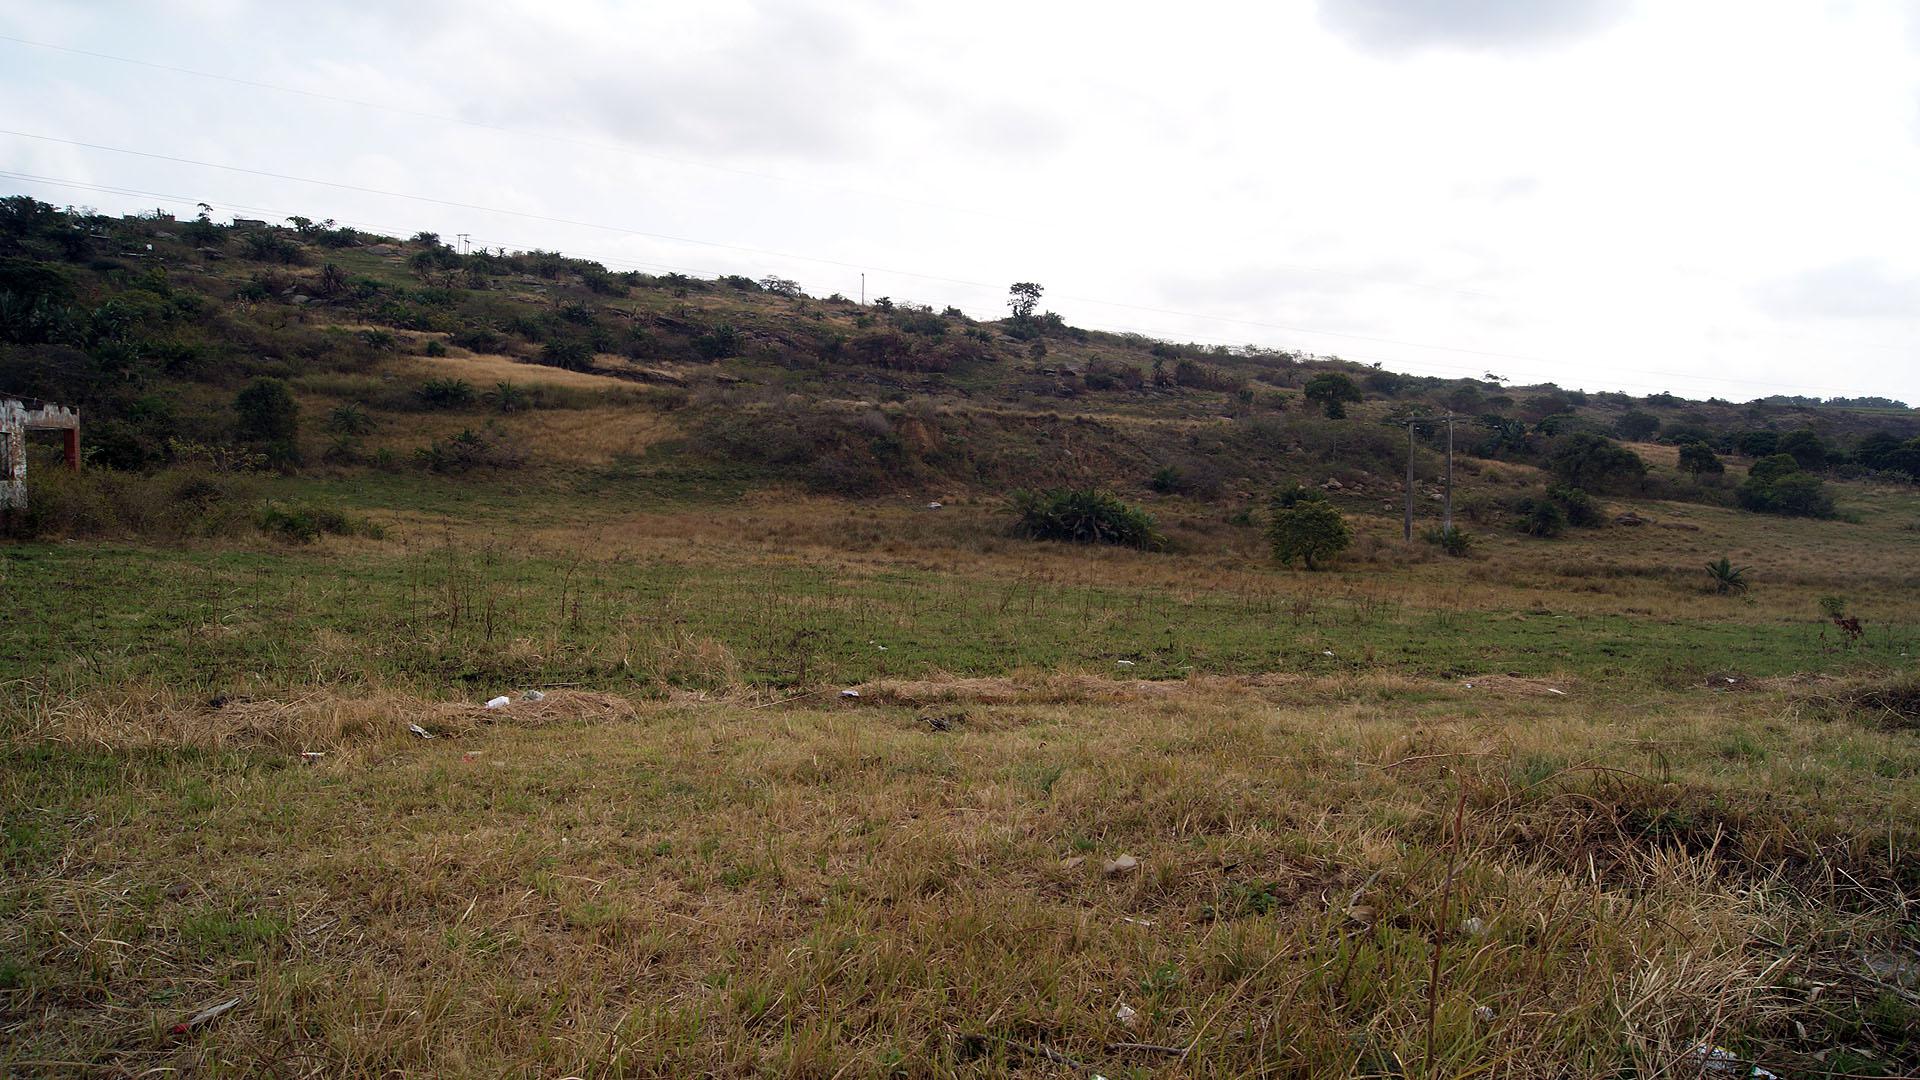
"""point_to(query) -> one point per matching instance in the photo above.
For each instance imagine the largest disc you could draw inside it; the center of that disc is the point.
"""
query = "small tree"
(269, 416)
(1022, 298)
(1596, 463)
(1698, 458)
(1637, 426)
(1332, 391)
(1308, 529)
(1807, 448)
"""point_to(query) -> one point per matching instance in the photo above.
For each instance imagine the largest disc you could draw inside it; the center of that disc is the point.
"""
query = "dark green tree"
(1332, 391)
(1596, 463)
(1636, 425)
(1309, 530)
(268, 416)
(1807, 448)
(1022, 298)
(1698, 458)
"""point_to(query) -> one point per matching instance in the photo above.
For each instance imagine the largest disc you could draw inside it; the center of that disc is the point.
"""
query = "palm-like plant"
(1728, 578)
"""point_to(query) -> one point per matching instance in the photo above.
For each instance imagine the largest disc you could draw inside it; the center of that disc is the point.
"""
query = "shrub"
(1728, 578)
(1581, 509)
(469, 450)
(1165, 480)
(1698, 458)
(1796, 494)
(268, 416)
(435, 348)
(1310, 530)
(303, 524)
(567, 353)
(1596, 463)
(1084, 516)
(718, 343)
(1541, 517)
(349, 419)
(509, 398)
(1806, 447)
(1637, 426)
(481, 339)
(445, 393)
(172, 504)
(1451, 540)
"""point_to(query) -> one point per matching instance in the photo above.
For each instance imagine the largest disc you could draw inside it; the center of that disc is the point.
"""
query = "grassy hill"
(828, 781)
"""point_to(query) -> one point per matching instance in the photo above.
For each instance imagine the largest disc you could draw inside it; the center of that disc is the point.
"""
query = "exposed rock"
(1125, 864)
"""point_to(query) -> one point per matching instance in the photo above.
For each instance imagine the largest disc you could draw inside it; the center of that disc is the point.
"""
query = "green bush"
(1698, 458)
(1083, 516)
(268, 416)
(1541, 517)
(1595, 463)
(1451, 540)
(568, 354)
(445, 393)
(468, 450)
(1581, 509)
(303, 524)
(169, 505)
(1308, 529)
(1796, 494)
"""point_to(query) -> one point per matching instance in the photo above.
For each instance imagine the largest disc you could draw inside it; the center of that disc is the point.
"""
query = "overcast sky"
(1712, 198)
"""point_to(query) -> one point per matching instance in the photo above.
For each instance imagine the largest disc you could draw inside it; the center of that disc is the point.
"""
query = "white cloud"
(1392, 25)
(1639, 196)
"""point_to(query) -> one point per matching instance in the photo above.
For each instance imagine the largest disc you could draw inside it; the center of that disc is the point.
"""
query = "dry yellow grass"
(485, 369)
(322, 720)
(837, 889)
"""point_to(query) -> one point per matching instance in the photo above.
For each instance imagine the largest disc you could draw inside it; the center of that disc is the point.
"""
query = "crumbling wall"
(17, 417)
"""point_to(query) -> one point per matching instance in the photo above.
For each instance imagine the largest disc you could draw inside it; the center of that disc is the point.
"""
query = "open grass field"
(1555, 809)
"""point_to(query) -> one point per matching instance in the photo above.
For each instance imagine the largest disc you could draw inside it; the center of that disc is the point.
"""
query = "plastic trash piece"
(210, 1013)
(1720, 1061)
(1326, 652)
(1125, 864)
(420, 731)
(850, 693)
(500, 702)
(311, 757)
(1126, 1014)
(535, 695)
(1124, 663)
(1483, 1013)
(933, 506)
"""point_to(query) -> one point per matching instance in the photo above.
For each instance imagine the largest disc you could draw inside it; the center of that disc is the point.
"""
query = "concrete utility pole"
(1409, 529)
(1446, 519)
(863, 289)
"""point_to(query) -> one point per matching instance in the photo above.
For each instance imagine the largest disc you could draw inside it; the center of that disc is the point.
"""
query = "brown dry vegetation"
(834, 888)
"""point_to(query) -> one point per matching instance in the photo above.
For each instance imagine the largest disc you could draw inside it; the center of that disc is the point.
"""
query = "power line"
(529, 133)
(626, 149)
(648, 155)
(1547, 376)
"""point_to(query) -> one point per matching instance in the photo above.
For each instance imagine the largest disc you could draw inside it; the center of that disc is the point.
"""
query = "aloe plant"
(1728, 578)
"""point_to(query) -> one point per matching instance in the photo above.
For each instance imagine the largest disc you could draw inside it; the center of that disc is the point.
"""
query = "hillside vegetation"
(918, 695)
